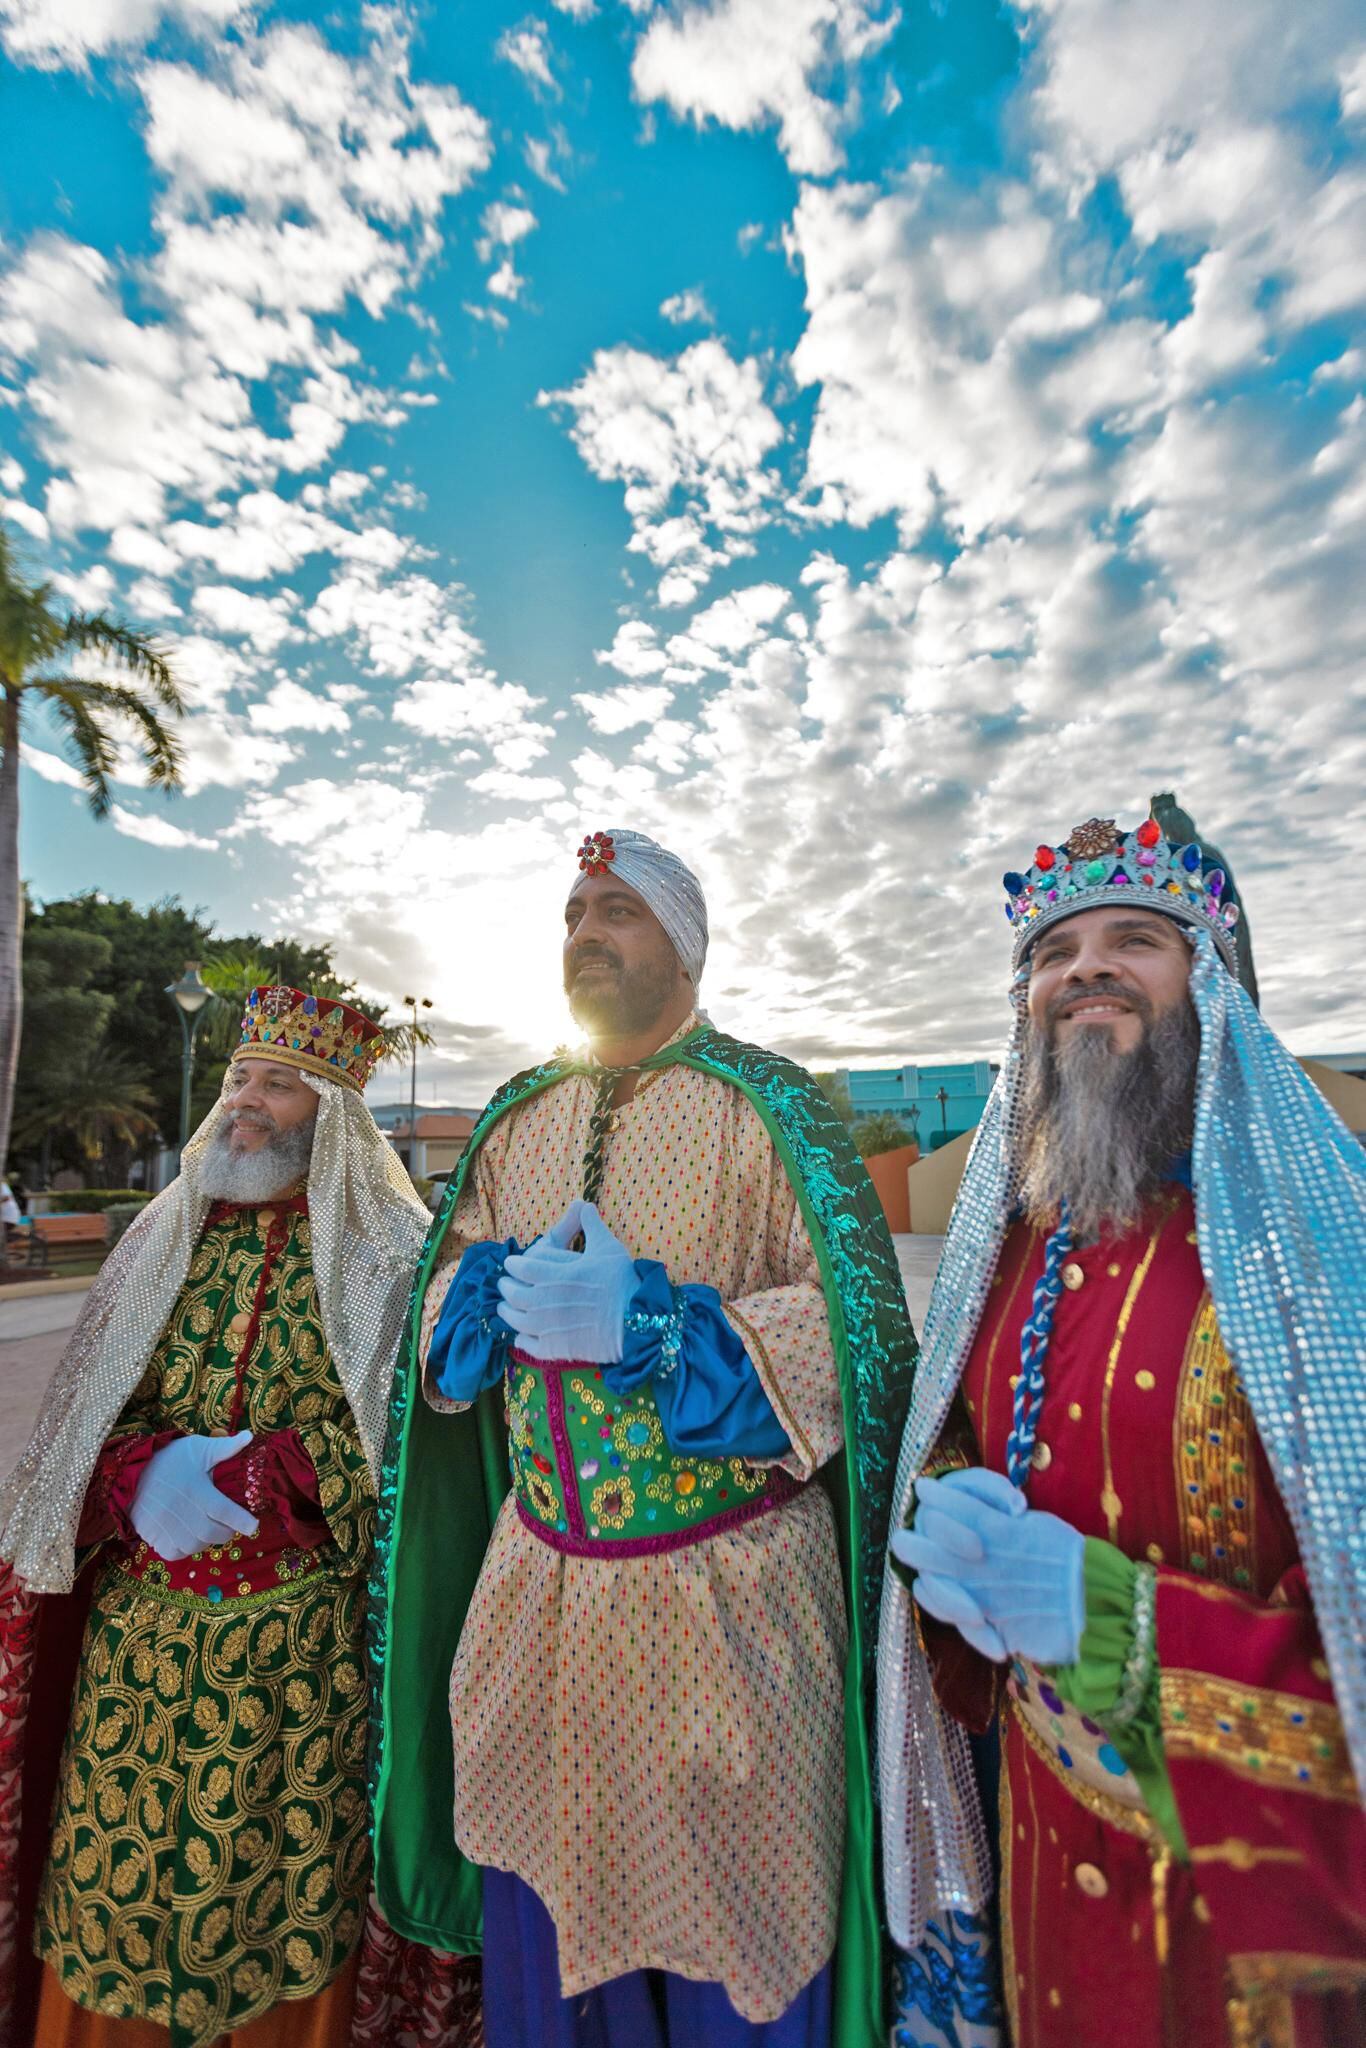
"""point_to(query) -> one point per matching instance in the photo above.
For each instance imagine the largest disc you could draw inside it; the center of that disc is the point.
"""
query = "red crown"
(316, 1033)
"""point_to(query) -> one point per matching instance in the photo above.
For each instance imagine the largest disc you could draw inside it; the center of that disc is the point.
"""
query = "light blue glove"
(177, 1509)
(564, 1304)
(1007, 1576)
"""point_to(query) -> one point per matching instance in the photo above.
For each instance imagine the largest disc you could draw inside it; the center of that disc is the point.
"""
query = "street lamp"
(412, 1003)
(190, 995)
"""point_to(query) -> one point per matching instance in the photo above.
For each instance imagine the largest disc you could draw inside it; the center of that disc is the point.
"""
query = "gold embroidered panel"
(1273, 1738)
(1214, 1463)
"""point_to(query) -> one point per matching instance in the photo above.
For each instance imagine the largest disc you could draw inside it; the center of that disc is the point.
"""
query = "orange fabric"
(320, 2022)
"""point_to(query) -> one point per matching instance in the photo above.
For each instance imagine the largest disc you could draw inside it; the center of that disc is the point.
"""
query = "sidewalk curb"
(34, 1290)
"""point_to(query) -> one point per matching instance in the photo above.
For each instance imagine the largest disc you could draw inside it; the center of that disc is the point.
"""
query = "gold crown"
(317, 1033)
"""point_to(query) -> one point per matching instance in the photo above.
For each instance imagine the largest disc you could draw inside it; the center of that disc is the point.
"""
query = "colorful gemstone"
(1045, 858)
(685, 1482)
(1149, 832)
(1095, 870)
(1112, 1760)
(541, 1464)
(1013, 883)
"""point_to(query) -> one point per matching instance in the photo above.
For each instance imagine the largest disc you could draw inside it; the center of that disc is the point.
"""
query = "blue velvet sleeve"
(710, 1399)
(470, 1343)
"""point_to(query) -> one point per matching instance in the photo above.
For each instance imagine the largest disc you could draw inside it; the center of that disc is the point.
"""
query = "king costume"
(642, 1575)
(207, 1862)
(1182, 1845)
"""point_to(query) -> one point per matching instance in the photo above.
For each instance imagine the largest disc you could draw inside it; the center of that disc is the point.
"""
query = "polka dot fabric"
(656, 1744)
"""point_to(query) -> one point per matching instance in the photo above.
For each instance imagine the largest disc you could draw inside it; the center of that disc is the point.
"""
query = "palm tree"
(104, 1106)
(38, 641)
(882, 1132)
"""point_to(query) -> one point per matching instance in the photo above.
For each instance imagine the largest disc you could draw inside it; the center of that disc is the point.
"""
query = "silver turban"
(661, 880)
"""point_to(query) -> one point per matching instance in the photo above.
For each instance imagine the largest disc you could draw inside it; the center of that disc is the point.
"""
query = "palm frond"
(138, 652)
(162, 754)
(89, 746)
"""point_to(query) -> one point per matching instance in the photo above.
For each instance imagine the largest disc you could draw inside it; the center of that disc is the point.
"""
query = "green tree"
(881, 1133)
(101, 1105)
(39, 641)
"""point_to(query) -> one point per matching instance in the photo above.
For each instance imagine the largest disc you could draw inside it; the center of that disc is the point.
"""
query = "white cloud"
(288, 707)
(747, 63)
(540, 156)
(635, 651)
(577, 10)
(265, 621)
(689, 438)
(527, 49)
(20, 513)
(504, 224)
(295, 182)
(156, 831)
(688, 309)
(51, 767)
(628, 705)
(52, 34)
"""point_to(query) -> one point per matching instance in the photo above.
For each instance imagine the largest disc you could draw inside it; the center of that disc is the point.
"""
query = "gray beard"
(227, 1176)
(1100, 1128)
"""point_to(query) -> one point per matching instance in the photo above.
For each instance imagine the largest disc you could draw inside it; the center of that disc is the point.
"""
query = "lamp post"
(412, 1002)
(190, 997)
(941, 1096)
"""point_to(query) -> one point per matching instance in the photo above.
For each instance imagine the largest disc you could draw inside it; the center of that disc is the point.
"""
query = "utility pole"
(413, 1003)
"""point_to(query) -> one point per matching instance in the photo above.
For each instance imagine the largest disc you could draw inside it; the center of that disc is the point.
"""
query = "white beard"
(259, 1176)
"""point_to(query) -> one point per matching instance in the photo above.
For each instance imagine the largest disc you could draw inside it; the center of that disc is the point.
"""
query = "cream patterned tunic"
(656, 1745)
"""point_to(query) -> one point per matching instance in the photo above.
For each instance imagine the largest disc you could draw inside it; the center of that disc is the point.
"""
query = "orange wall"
(887, 1171)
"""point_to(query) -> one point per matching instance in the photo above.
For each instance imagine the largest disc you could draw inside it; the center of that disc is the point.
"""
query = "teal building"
(935, 1103)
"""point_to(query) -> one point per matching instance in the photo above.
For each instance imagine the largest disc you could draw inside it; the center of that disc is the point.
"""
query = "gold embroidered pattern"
(1273, 1738)
(1214, 1464)
(1130, 1820)
(1110, 1502)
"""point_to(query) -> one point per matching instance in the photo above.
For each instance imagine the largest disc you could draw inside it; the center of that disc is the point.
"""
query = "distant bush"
(84, 1201)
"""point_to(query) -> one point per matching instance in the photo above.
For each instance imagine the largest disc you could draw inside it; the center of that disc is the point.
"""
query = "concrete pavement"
(33, 1333)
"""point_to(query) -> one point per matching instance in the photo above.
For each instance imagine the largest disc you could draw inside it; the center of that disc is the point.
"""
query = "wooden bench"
(47, 1240)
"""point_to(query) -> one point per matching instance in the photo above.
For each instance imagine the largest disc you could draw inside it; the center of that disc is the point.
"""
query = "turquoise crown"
(1100, 864)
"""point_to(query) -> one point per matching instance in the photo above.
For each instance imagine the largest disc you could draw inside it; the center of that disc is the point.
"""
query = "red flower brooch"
(596, 853)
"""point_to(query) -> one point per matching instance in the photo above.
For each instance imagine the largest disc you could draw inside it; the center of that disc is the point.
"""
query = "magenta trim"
(564, 1454)
(577, 1544)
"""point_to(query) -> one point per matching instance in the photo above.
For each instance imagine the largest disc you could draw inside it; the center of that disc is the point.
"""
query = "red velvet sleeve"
(113, 1483)
(275, 1479)
(1259, 1767)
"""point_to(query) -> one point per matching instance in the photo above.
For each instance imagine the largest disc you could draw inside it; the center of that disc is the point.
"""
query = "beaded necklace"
(1029, 1388)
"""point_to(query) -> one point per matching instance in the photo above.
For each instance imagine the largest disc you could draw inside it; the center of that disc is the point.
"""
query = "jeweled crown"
(1100, 864)
(317, 1033)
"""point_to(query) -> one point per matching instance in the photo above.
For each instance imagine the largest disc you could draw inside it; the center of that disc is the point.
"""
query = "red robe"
(1146, 1439)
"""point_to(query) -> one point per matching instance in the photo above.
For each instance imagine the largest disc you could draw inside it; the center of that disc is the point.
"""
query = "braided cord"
(1029, 1388)
(595, 1158)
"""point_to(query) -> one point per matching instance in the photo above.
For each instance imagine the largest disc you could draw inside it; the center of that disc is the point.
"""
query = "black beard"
(628, 1001)
(1100, 1128)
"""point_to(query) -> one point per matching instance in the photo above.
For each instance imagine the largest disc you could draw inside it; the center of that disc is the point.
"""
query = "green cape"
(444, 1478)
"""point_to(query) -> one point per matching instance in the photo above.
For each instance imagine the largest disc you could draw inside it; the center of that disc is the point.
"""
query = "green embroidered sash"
(444, 1479)
(594, 1475)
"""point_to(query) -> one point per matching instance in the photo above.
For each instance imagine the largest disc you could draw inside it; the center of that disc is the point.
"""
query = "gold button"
(1146, 1380)
(1200, 1908)
(1091, 1880)
(240, 1323)
(1074, 1410)
(1041, 1457)
(265, 1217)
(1072, 1276)
(1156, 1554)
(1054, 1997)
(1319, 1667)
(1014, 1380)
(1113, 1271)
(1192, 1237)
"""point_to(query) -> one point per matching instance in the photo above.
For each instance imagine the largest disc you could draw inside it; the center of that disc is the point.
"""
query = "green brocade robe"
(429, 1549)
(209, 1855)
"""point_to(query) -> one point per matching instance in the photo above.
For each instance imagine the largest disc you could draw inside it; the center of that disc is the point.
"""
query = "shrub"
(84, 1201)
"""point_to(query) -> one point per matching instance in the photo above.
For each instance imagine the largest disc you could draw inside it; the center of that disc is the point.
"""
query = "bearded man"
(1136, 1462)
(661, 1754)
(209, 1446)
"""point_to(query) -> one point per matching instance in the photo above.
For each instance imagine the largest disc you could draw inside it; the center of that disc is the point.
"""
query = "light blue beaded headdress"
(1280, 1194)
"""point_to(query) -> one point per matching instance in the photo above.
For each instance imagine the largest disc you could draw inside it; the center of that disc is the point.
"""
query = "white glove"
(565, 1304)
(177, 1509)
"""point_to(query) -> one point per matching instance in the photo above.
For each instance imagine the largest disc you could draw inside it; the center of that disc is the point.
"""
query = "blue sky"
(851, 441)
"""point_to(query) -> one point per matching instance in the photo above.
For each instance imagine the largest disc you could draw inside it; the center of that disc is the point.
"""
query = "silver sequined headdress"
(662, 880)
(1280, 1195)
(367, 1227)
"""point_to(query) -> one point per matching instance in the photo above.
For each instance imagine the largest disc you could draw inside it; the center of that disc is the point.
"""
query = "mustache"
(590, 956)
(252, 1119)
(1119, 990)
